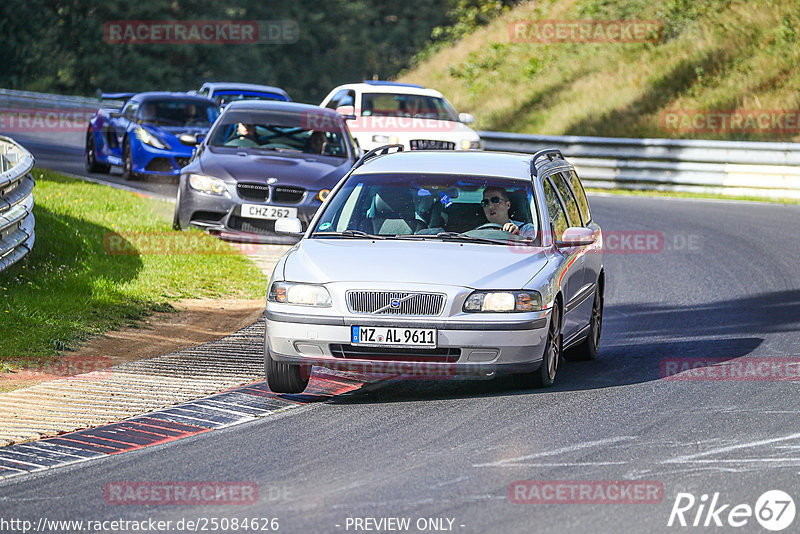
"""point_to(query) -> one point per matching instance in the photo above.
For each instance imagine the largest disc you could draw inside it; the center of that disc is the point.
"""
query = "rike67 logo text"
(774, 510)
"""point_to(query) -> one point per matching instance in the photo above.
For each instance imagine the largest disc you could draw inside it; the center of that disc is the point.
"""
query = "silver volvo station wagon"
(455, 263)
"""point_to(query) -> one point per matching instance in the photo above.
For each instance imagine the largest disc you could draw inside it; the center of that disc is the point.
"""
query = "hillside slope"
(713, 55)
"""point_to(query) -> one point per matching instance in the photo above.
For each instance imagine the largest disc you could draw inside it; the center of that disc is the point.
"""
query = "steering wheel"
(488, 226)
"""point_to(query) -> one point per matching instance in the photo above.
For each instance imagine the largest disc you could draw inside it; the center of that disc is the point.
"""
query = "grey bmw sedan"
(263, 161)
(453, 263)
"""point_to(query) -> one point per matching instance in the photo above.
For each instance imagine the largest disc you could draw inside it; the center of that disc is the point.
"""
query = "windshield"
(405, 105)
(178, 113)
(227, 96)
(431, 206)
(281, 131)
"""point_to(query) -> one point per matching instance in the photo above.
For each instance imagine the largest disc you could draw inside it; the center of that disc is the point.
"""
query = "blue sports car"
(154, 134)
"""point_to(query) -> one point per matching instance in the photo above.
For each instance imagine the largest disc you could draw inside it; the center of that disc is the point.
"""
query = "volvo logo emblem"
(395, 303)
(271, 181)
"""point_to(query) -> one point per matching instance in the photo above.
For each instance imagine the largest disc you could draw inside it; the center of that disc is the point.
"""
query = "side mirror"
(466, 118)
(188, 139)
(347, 111)
(289, 226)
(576, 236)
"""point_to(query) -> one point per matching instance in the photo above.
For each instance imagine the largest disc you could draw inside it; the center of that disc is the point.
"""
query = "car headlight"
(468, 144)
(503, 301)
(206, 184)
(150, 139)
(300, 294)
(322, 195)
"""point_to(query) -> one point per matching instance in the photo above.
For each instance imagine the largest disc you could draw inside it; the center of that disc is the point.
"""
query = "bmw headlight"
(503, 301)
(300, 294)
(206, 184)
(150, 139)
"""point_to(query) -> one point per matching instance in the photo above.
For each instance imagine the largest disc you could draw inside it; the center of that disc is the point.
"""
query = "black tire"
(588, 348)
(90, 156)
(176, 222)
(127, 161)
(545, 375)
(285, 377)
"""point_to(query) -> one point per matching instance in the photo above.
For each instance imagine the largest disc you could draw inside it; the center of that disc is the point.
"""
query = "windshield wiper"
(455, 236)
(350, 233)
(274, 148)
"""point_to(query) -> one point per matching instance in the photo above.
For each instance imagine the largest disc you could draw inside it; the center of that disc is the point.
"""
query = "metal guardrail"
(28, 99)
(729, 167)
(16, 202)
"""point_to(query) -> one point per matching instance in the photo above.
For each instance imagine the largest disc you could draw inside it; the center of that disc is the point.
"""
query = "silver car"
(440, 263)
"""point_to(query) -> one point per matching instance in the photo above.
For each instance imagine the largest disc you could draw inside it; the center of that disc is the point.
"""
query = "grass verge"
(713, 55)
(103, 259)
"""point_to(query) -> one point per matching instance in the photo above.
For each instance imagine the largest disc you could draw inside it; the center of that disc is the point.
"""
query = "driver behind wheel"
(496, 205)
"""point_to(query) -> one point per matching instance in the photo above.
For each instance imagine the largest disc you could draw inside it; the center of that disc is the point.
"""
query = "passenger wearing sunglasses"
(496, 205)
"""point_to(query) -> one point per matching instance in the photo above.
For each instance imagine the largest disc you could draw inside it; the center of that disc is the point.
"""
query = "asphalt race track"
(723, 284)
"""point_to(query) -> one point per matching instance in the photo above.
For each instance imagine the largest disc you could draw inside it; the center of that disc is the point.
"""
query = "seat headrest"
(392, 204)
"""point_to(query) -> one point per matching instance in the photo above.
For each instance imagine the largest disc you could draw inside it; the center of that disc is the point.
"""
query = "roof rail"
(549, 153)
(380, 151)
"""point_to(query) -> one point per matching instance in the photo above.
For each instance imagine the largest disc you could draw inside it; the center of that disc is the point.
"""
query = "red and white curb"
(233, 407)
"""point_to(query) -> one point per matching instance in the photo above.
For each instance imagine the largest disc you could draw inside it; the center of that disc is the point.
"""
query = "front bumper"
(221, 215)
(159, 162)
(479, 348)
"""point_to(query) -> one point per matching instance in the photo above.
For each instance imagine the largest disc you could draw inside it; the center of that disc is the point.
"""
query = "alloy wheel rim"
(554, 352)
(597, 314)
(89, 153)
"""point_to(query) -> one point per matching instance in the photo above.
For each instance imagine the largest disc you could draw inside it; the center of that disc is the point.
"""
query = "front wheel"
(127, 161)
(589, 347)
(176, 221)
(285, 377)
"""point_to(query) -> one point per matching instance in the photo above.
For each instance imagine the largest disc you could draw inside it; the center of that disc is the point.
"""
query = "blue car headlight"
(149, 139)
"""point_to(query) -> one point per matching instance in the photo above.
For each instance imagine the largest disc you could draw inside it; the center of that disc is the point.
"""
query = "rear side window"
(558, 220)
(573, 214)
(580, 196)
